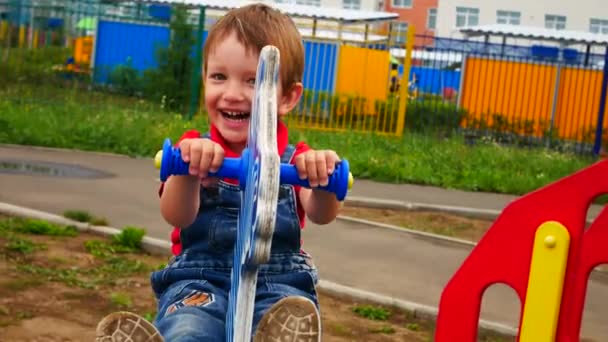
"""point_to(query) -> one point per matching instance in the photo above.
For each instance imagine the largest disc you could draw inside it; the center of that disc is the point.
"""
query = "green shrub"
(129, 237)
(78, 215)
(433, 115)
(34, 66)
(169, 83)
(125, 79)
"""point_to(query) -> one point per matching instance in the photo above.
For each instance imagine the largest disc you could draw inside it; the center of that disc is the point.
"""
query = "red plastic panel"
(503, 255)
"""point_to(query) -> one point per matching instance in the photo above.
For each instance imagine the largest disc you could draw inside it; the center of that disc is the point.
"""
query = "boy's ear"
(290, 98)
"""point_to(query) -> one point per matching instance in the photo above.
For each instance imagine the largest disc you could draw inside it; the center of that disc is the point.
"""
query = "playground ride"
(260, 173)
(547, 261)
(540, 247)
(79, 64)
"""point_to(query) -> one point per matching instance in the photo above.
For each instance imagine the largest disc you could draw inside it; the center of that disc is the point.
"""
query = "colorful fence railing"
(532, 99)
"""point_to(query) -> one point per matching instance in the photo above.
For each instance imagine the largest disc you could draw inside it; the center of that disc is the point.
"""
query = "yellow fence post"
(35, 41)
(403, 90)
(3, 29)
(21, 36)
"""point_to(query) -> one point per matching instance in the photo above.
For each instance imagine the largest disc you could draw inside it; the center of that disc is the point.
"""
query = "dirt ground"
(53, 288)
(432, 222)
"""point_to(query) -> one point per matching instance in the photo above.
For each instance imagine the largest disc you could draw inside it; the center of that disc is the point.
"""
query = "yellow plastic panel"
(545, 283)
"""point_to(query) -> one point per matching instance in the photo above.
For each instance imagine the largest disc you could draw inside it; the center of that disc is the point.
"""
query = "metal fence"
(536, 95)
(130, 48)
(365, 79)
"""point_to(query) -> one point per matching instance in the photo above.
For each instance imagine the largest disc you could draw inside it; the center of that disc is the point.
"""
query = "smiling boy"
(193, 290)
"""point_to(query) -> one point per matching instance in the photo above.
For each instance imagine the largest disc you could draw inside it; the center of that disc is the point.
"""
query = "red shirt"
(282, 142)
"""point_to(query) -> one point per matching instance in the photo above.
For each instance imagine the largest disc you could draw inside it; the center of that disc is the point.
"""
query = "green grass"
(69, 118)
(372, 312)
(121, 300)
(115, 256)
(413, 326)
(383, 330)
(78, 215)
(21, 245)
(36, 227)
(84, 216)
(149, 316)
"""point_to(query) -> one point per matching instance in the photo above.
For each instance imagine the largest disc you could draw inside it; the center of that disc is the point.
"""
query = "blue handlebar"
(172, 163)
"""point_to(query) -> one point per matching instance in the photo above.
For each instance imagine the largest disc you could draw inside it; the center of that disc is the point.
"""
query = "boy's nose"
(234, 92)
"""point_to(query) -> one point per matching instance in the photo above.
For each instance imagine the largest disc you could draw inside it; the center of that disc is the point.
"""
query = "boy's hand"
(316, 166)
(203, 155)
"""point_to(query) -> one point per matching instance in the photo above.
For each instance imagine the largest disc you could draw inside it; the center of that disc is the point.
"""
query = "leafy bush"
(433, 115)
(130, 237)
(125, 79)
(34, 66)
(78, 215)
(423, 116)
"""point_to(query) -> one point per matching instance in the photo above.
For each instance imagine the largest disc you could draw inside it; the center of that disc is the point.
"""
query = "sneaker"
(290, 319)
(126, 327)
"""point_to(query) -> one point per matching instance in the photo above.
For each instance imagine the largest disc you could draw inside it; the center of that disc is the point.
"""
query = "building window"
(555, 22)
(351, 4)
(431, 22)
(598, 26)
(508, 17)
(400, 32)
(401, 3)
(467, 16)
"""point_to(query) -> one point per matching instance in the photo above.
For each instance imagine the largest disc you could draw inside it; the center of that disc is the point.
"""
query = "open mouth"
(235, 116)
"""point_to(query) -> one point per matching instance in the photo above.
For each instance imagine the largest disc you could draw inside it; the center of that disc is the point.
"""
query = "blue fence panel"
(320, 63)
(434, 81)
(204, 34)
(127, 43)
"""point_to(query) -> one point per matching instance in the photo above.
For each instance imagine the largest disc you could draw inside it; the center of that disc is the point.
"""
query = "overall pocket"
(223, 228)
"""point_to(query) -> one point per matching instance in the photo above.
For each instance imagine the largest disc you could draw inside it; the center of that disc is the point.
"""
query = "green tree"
(170, 82)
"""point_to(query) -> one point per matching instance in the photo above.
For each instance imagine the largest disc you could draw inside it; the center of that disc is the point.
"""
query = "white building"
(366, 5)
(576, 15)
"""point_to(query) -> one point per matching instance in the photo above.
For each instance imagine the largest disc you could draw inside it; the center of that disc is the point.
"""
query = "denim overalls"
(193, 289)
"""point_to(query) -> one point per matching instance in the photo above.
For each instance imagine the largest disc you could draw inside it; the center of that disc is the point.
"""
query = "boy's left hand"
(316, 166)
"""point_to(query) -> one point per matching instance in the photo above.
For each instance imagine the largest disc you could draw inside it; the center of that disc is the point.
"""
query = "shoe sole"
(291, 319)
(126, 327)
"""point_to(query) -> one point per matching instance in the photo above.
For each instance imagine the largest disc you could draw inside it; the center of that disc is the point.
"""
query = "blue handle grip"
(172, 164)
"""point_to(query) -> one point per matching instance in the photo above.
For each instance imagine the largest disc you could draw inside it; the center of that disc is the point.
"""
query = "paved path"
(375, 259)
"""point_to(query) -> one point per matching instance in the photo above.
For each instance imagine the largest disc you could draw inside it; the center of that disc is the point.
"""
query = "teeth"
(236, 116)
(235, 113)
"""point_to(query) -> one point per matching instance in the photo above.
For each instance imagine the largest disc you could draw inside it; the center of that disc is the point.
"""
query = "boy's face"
(229, 89)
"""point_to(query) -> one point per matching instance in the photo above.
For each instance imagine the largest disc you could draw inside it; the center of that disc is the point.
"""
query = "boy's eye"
(217, 77)
(251, 81)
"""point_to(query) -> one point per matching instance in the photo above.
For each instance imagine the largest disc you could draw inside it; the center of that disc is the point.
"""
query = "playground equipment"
(259, 172)
(539, 246)
(83, 48)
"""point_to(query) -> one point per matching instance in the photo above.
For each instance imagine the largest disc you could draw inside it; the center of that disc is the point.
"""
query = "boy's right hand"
(203, 155)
